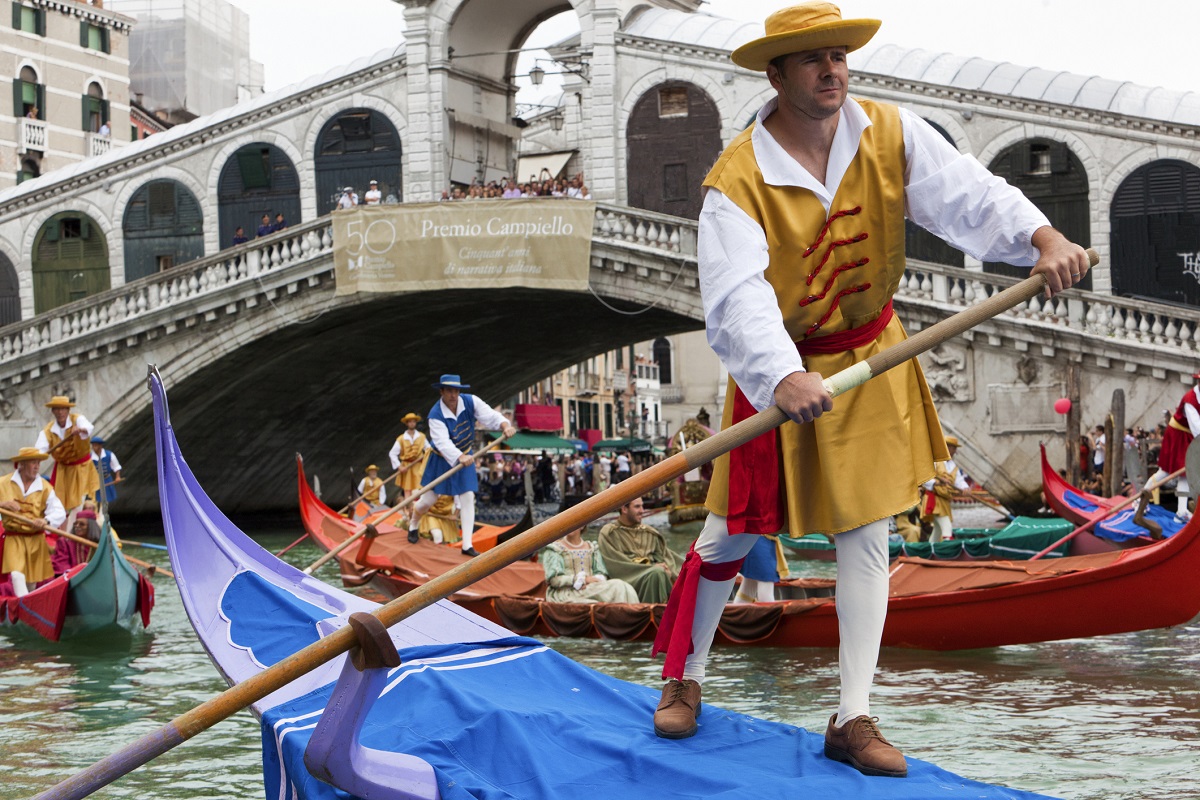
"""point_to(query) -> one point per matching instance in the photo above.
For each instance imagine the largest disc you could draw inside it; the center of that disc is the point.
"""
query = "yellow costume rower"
(410, 450)
(68, 439)
(26, 552)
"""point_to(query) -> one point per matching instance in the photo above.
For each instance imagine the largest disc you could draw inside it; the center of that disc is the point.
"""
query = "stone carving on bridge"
(1027, 369)
(6, 407)
(948, 370)
(1023, 408)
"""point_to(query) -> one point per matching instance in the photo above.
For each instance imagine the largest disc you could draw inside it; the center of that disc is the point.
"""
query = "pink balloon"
(1062, 405)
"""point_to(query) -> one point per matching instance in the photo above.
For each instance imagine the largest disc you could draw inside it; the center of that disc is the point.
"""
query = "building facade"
(68, 62)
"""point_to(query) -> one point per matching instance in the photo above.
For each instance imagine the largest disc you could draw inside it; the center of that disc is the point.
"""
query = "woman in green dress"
(575, 573)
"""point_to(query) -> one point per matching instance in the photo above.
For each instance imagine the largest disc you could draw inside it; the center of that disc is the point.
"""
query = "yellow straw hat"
(29, 454)
(952, 441)
(412, 416)
(60, 401)
(804, 27)
(371, 467)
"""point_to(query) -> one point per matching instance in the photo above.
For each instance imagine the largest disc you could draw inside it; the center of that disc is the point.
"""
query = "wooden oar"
(66, 535)
(293, 544)
(1128, 501)
(405, 503)
(976, 497)
(350, 505)
(253, 689)
(128, 543)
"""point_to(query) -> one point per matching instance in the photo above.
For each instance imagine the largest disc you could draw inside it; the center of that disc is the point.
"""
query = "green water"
(1112, 717)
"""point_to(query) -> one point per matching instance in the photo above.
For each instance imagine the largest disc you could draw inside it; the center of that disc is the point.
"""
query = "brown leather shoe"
(860, 744)
(675, 717)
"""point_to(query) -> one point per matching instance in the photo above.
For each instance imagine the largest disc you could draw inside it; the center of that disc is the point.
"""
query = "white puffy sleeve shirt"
(485, 415)
(946, 192)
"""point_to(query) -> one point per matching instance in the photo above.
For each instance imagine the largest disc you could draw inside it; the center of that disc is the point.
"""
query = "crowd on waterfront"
(1140, 450)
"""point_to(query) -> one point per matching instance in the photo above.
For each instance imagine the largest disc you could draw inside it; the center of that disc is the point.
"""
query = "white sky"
(1152, 42)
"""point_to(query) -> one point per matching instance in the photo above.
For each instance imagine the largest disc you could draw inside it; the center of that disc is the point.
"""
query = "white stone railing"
(98, 145)
(169, 289)
(645, 229)
(1128, 321)
(33, 135)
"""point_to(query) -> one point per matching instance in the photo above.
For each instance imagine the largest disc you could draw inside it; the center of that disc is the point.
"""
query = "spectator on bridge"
(373, 197)
(348, 199)
(67, 438)
(265, 227)
(511, 191)
(239, 236)
(279, 224)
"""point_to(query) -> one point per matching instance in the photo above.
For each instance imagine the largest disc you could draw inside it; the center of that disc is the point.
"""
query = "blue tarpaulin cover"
(1120, 527)
(513, 719)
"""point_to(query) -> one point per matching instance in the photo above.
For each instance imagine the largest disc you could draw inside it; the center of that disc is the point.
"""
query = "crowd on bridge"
(542, 185)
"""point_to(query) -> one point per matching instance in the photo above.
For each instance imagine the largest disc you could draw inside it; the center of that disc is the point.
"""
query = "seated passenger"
(638, 554)
(575, 573)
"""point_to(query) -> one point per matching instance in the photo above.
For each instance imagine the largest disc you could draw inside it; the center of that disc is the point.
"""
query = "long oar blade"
(340, 641)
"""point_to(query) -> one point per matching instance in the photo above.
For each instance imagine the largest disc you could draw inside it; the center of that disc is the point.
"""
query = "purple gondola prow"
(334, 754)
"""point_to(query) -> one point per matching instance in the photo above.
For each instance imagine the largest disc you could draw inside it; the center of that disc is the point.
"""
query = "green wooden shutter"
(41, 22)
(41, 100)
(18, 98)
(105, 43)
(83, 34)
(52, 230)
(85, 228)
(16, 16)
(87, 120)
(104, 113)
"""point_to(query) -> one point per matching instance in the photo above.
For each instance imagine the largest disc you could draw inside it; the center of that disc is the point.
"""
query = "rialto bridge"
(124, 259)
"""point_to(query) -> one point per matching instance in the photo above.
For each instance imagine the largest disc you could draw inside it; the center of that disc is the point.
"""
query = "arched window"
(258, 180)
(1051, 176)
(673, 138)
(29, 95)
(70, 260)
(662, 356)
(10, 293)
(163, 226)
(1155, 217)
(354, 148)
(95, 108)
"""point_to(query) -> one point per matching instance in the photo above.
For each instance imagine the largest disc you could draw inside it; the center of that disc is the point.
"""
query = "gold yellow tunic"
(25, 548)
(441, 516)
(943, 491)
(412, 461)
(832, 273)
(371, 487)
(75, 476)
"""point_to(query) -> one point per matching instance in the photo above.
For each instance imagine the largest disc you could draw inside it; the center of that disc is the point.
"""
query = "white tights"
(466, 510)
(862, 595)
(1181, 488)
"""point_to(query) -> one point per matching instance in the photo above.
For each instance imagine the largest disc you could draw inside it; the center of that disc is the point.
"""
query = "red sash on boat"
(756, 502)
(54, 472)
(675, 631)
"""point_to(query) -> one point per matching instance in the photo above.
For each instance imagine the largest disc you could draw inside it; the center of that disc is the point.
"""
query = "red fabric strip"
(674, 635)
(756, 501)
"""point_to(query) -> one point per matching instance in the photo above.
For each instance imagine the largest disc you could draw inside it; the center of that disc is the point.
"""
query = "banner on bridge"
(481, 244)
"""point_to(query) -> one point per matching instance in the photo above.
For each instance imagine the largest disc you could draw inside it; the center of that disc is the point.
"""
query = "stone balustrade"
(33, 135)
(161, 294)
(647, 229)
(98, 145)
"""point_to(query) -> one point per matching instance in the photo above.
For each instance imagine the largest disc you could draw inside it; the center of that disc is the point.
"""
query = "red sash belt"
(54, 472)
(756, 499)
(675, 631)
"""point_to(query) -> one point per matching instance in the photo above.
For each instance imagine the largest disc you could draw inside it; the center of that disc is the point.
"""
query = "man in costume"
(1182, 427)
(409, 451)
(452, 430)
(638, 554)
(801, 247)
(68, 439)
(108, 468)
(371, 487)
(947, 482)
(26, 557)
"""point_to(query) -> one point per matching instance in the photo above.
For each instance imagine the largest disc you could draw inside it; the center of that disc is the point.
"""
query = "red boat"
(1115, 530)
(393, 566)
(934, 605)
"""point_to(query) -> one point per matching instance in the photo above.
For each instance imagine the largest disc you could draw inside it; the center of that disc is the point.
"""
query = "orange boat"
(394, 566)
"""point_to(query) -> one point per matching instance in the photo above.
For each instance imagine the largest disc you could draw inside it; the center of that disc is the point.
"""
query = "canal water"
(1116, 717)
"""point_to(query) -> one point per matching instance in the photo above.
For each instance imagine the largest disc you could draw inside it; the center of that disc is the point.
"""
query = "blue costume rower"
(452, 433)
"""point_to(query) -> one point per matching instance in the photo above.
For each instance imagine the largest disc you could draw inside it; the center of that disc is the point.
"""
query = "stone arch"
(96, 79)
(664, 355)
(1045, 165)
(1155, 223)
(70, 258)
(162, 225)
(264, 135)
(374, 153)
(950, 123)
(318, 120)
(80, 205)
(667, 156)
(162, 172)
(243, 206)
(450, 12)
(10, 292)
(748, 111)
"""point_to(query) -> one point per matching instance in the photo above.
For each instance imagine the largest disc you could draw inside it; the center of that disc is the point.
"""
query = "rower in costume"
(801, 247)
(452, 430)
(947, 482)
(26, 553)
(409, 451)
(371, 487)
(108, 469)
(68, 439)
(1182, 427)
